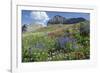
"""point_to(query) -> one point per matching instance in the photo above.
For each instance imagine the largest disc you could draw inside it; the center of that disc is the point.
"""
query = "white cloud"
(39, 17)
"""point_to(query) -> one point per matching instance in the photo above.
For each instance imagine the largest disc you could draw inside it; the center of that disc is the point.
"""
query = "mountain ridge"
(62, 20)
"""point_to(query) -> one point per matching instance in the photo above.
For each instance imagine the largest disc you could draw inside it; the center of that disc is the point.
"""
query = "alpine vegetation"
(55, 36)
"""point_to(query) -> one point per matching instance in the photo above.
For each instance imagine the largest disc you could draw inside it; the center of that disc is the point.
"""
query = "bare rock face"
(57, 20)
(62, 20)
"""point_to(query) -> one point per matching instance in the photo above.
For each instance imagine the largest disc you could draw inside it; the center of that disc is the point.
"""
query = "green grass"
(44, 47)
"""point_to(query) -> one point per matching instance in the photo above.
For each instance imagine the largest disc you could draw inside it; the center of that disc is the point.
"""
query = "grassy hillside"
(56, 43)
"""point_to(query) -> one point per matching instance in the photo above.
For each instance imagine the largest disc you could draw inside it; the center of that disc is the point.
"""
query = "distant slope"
(84, 26)
(33, 27)
(53, 28)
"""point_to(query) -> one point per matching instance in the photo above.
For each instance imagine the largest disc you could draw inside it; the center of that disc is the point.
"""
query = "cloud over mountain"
(39, 17)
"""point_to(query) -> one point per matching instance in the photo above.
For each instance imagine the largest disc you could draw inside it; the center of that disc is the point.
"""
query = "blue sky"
(41, 17)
